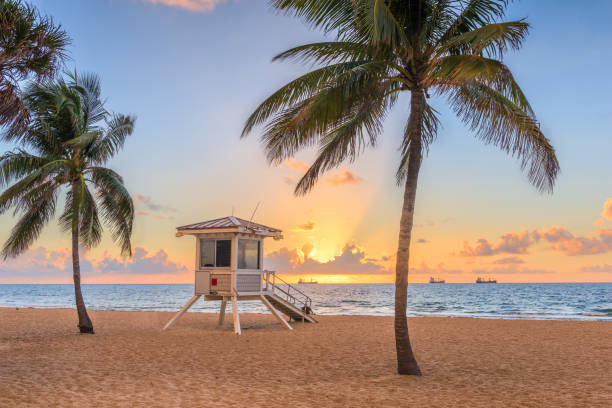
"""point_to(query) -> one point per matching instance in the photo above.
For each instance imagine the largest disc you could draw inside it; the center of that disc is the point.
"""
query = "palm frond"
(492, 40)
(118, 128)
(499, 121)
(297, 91)
(471, 15)
(90, 229)
(17, 164)
(346, 140)
(13, 195)
(117, 206)
(30, 225)
(328, 15)
(329, 52)
(456, 70)
(304, 123)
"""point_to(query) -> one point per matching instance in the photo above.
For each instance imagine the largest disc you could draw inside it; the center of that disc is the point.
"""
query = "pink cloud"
(509, 243)
(607, 209)
(191, 5)
(342, 178)
(560, 238)
(46, 266)
(565, 242)
(352, 260)
(296, 165)
(147, 203)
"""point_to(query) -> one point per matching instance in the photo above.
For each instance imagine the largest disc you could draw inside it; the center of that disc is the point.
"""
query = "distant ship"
(489, 280)
(311, 282)
(434, 280)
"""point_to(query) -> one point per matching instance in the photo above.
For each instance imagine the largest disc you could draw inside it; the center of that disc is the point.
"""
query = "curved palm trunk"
(406, 362)
(85, 324)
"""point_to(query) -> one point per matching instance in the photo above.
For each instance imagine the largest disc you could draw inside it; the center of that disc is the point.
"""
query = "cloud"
(147, 203)
(352, 260)
(510, 243)
(141, 263)
(422, 241)
(509, 260)
(343, 177)
(605, 268)
(607, 209)
(288, 180)
(560, 238)
(191, 5)
(308, 226)
(46, 265)
(482, 248)
(296, 165)
(566, 243)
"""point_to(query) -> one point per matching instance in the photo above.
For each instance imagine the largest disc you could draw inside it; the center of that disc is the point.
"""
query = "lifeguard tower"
(228, 267)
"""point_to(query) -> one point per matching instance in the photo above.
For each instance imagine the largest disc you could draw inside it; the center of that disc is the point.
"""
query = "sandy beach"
(342, 361)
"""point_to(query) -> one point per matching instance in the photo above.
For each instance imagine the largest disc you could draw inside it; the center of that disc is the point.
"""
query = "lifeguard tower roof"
(229, 224)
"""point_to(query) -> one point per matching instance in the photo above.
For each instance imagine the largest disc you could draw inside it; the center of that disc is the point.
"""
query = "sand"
(344, 361)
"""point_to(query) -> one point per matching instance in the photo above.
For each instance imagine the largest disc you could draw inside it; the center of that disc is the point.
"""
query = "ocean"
(556, 301)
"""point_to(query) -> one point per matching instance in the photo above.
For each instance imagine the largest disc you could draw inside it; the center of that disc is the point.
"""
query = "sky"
(192, 71)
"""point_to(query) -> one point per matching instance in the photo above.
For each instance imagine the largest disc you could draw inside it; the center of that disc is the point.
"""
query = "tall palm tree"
(70, 138)
(31, 45)
(384, 48)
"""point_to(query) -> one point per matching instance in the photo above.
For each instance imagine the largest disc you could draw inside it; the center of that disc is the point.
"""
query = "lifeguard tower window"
(248, 253)
(215, 253)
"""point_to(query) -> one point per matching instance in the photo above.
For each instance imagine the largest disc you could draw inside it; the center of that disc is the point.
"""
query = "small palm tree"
(70, 138)
(31, 45)
(384, 48)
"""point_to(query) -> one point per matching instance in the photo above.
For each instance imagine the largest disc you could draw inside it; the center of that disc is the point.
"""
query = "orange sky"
(182, 74)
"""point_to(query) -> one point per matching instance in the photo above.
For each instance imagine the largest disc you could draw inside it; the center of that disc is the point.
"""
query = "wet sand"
(344, 361)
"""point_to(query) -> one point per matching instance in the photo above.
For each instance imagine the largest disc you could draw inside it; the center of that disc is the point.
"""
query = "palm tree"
(31, 45)
(452, 49)
(71, 137)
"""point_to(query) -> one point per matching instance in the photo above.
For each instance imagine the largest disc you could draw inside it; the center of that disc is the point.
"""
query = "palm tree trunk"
(85, 324)
(406, 362)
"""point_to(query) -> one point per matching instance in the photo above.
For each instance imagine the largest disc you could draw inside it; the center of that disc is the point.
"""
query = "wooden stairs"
(289, 310)
(288, 299)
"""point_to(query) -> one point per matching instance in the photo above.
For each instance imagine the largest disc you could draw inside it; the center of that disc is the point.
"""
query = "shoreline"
(341, 361)
(586, 317)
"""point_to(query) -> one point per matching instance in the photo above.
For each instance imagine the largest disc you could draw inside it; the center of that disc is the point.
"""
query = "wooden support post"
(236, 316)
(180, 313)
(222, 311)
(275, 312)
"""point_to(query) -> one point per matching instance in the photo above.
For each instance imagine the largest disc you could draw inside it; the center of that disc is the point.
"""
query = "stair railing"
(288, 292)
